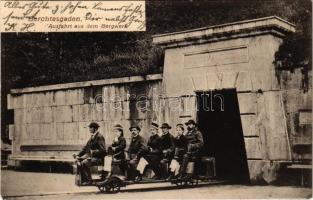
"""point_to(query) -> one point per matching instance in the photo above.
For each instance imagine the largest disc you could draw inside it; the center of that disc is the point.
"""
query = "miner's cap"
(154, 125)
(136, 127)
(118, 127)
(166, 125)
(191, 122)
(94, 125)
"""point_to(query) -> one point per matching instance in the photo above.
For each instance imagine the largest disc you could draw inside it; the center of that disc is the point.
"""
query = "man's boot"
(190, 170)
(104, 174)
(171, 176)
(138, 177)
(163, 169)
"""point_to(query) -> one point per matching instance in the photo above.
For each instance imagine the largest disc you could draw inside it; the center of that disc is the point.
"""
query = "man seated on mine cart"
(135, 151)
(152, 155)
(181, 143)
(195, 143)
(118, 149)
(167, 147)
(92, 153)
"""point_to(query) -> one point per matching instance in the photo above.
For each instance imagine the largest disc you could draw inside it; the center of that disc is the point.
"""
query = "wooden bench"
(51, 147)
(14, 160)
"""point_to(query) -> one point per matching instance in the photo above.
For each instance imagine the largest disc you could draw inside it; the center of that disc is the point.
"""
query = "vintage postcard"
(155, 99)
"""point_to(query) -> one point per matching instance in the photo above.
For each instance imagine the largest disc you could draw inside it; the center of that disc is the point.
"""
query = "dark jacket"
(119, 146)
(137, 146)
(167, 143)
(154, 143)
(97, 145)
(195, 139)
(181, 142)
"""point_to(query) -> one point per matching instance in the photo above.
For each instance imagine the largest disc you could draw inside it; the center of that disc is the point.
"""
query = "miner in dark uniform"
(181, 143)
(92, 153)
(153, 154)
(195, 143)
(167, 148)
(136, 149)
(118, 148)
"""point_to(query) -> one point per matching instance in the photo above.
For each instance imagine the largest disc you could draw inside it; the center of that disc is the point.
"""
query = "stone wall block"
(62, 113)
(249, 127)
(247, 103)
(253, 148)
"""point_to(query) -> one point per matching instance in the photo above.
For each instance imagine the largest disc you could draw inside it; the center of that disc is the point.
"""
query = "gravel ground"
(29, 185)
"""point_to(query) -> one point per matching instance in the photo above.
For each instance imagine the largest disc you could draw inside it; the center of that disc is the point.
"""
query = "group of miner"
(167, 155)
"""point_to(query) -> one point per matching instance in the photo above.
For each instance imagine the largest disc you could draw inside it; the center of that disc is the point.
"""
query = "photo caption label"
(72, 16)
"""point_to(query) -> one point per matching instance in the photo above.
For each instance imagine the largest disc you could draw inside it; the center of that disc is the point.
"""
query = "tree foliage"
(30, 59)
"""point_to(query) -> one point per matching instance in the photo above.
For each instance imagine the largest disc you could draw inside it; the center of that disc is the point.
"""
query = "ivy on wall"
(296, 50)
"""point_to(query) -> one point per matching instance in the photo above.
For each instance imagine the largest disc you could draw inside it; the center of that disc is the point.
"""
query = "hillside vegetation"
(30, 59)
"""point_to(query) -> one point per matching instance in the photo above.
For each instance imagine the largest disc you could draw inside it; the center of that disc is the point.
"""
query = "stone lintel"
(272, 25)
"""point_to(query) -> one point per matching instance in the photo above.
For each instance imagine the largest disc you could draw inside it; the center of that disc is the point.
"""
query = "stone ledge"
(272, 24)
(51, 148)
(130, 79)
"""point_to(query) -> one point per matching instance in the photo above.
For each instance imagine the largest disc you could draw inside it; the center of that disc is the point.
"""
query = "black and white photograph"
(156, 99)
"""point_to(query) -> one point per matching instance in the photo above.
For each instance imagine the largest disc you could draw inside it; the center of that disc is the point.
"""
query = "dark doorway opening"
(219, 121)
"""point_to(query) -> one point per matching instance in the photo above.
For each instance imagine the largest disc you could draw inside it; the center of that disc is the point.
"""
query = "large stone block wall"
(61, 117)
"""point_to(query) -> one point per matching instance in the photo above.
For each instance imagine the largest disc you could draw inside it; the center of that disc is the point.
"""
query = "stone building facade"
(233, 63)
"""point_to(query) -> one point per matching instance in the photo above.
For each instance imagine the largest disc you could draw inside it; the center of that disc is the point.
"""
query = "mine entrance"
(219, 121)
